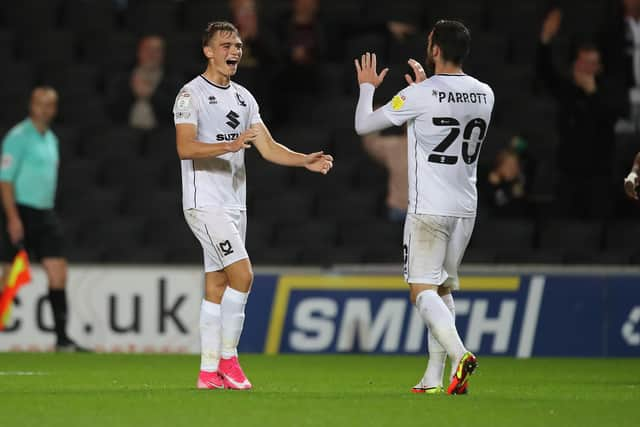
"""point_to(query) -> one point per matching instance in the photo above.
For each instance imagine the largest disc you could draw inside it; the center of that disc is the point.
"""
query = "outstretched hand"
(418, 72)
(319, 162)
(366, 70)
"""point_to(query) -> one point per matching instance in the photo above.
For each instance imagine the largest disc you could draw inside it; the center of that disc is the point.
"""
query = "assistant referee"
(28, 179)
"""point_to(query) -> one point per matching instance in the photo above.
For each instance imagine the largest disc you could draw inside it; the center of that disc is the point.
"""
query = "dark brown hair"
(215, 27)
(454, 40)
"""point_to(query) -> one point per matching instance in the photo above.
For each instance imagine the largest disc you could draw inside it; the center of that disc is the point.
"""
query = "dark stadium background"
(119, 186)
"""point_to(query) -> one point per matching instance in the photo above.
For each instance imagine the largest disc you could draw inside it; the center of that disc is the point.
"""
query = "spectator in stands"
(389, 149)
(28, 180)
(258, 48)
(303, 35)
(620, 45)
(259, 54)
(587, 112)
(505, 188)
(142, 97)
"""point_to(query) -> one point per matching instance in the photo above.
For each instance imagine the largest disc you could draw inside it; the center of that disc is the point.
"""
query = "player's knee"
(244, 281)
(214, 292)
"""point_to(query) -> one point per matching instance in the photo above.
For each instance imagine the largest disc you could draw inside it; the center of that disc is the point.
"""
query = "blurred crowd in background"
(566, 75)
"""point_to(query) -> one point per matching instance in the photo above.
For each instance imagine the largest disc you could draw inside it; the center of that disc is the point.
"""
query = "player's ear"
(208, 52)
(436, 51)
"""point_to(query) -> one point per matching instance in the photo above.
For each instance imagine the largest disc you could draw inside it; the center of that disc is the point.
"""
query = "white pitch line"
(20, 373)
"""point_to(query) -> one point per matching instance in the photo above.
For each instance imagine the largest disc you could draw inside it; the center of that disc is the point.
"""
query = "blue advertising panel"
(519, 316)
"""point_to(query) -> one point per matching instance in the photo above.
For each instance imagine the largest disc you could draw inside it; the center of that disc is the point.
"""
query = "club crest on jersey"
(213, 100)
(240, 100)
(398, 101)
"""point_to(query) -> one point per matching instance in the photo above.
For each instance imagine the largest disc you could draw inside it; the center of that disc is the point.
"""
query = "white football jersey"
(448, 116)
(221, 114)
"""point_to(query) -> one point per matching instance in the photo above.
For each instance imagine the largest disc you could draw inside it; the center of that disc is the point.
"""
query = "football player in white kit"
(215, 120)
(447, 115)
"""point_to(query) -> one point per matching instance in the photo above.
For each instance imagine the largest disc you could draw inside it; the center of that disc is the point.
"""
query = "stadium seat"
(117, 142)
(86, 18)
(570, 241)
(340, 178)
(316, 233)
(152, 17)
(75, 80)
(349, 205)
(277, 256)
(304, 139)
(198, 13)
(61, 48)
(621, 241)
(29, 16)
(7, 47)
(371, 234)
(290, 205)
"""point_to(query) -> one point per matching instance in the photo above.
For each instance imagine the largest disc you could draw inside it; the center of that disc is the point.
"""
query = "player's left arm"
(367, 120)
(277, 153)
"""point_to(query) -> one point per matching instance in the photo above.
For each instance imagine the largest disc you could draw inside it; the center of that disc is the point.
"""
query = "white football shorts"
(221, 232)
(434, 247)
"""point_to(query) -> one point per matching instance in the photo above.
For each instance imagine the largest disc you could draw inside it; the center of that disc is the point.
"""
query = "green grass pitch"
(158, 390)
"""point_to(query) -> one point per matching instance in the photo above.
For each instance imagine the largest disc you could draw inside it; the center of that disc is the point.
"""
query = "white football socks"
(233, 303)
(437, 354)
(210, 336)
(440, 322)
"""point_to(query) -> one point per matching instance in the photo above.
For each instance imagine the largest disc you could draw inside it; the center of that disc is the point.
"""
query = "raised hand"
(418, 72)
(366, 70)
(551, 25)
(319, 162)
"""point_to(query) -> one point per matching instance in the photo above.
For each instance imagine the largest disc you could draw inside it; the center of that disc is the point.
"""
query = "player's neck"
(216, 77)
(448, 68)
(40, 127)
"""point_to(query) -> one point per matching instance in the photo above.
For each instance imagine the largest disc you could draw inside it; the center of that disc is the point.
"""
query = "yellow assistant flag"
(19, 275)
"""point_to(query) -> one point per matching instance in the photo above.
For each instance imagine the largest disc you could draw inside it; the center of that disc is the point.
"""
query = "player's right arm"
(189, 148)
(185, 116)
(11, 157)
(632, 180)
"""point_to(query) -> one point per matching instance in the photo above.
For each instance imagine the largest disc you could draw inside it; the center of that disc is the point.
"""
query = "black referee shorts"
(43, 237)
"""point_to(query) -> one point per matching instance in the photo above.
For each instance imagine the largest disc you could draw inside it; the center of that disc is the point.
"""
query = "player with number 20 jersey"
(447, 120)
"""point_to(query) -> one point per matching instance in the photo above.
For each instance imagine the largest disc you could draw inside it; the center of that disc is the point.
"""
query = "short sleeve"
(254, 111)
(404, 106)
(185, 109)
(11, 157)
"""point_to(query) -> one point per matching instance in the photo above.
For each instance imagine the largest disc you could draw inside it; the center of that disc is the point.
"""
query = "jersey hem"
(441, 213)
(227, 207)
